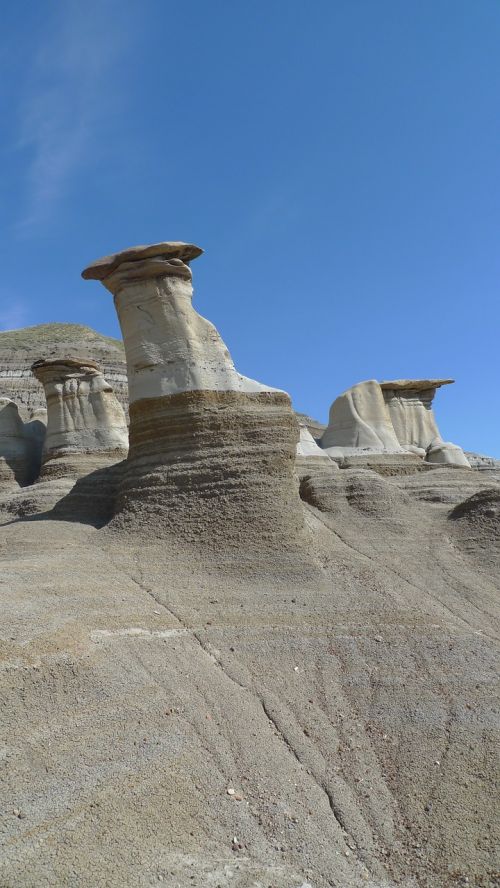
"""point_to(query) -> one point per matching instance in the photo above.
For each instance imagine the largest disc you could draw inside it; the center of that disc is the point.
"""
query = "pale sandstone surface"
(307, 446)
(360, 418)
(387, 418)
(445, 453)
(85, 420)
(310, 459)
(19, 348)
(352, 712)
(410, 408)
(169, 347)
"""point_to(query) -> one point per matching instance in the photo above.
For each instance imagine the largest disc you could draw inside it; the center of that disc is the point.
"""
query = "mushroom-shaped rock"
(169, 347)
(212, 452)
(360, 420)
(444, 453)
(15, 447)
(86, 425)
(409, 402)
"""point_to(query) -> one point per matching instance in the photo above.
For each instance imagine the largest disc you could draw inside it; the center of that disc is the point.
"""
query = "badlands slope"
(172, 717)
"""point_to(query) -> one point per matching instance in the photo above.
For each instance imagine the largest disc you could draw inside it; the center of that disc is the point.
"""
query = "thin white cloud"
(70, 86)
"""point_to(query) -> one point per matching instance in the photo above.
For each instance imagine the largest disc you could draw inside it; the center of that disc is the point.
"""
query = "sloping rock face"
(20, 348)
(85, 418)
(161, 724)
(476, 526)
(211, 452)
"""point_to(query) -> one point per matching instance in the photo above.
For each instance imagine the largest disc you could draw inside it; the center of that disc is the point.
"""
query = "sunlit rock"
(85, 423)
(212, 452)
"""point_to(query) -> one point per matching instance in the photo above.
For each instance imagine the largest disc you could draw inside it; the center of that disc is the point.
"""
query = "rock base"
(214, 469)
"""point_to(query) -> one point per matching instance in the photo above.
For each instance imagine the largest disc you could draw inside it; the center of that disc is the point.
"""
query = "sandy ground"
(170, 719)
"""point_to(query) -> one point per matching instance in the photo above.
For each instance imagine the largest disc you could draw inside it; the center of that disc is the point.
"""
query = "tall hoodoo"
(86, 425)
(211, 451)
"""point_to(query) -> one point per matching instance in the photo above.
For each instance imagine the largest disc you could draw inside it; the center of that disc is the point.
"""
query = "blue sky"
(338, 160)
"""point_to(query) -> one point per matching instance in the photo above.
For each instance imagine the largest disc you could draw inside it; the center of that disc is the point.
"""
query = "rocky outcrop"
(86, 425)
(17, 455)
(360, 419)
(211, 451)
(476, 528)
(444, 453)
(19, 348)
(389, 427)
(410, 407)
(311, 461)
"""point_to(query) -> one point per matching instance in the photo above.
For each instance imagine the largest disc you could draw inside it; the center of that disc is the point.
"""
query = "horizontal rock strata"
(20, 348)
(213, 468)
(211, 451)
(311, 461)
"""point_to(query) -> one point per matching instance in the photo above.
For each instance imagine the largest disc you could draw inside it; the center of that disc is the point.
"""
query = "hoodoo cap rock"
(101, 268)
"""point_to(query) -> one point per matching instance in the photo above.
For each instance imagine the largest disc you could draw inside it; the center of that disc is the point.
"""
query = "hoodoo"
(86, 425)
(410, 407)
(211, 452)
(392, 423)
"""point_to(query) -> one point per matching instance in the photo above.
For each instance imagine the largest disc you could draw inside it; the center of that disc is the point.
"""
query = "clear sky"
(338, 160)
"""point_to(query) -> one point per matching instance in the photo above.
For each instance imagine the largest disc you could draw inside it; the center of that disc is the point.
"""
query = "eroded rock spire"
(86, 424)
(211, 451)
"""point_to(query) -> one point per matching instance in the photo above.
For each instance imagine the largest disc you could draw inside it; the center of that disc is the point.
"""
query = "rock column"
(86, 425)
(410, 406)
(211, 452)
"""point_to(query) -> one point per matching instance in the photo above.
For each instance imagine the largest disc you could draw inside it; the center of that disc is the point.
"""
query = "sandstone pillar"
(211, 452)
(409, 402)
(86, 425)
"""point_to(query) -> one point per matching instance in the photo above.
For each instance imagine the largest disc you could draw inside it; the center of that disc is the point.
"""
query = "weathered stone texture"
(20, 348)
(85, 418)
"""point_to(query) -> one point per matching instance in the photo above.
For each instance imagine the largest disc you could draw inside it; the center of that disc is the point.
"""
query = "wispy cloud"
(70, 87)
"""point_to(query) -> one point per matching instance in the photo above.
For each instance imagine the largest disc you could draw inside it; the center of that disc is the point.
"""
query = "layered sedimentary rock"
(360, 419)
(211, 451)
(410, 407)
(86, 424)
(310, 460)
(476, 527)
(16, 447)
(19, 348)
